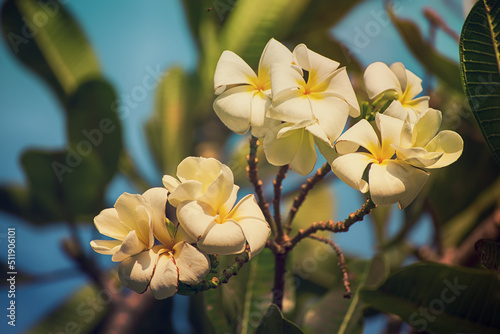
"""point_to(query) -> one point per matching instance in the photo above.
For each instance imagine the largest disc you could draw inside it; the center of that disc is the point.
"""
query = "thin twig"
(335, 227)
(277, 199)
(223, 278)
(341, 263)
(304, 190)
(257, 183)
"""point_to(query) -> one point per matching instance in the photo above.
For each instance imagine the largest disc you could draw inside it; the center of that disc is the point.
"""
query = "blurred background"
(125, 48)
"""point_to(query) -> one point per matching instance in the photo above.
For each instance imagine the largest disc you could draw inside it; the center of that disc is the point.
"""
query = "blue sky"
(129, 37)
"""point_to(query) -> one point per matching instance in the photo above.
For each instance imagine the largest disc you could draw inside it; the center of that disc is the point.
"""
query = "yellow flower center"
(260, 85)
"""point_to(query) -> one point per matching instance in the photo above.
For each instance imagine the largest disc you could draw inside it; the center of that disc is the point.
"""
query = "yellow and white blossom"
(244, 96)
(314, 98)
(423, 146)
(134, 222)
(205, 197)
(389, 180)
(380, 79)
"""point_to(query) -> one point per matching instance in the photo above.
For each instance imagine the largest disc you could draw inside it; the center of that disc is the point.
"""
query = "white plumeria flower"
(314, 98)
(422, 145)
(161, 267)
(380, 79)
(204, 197)
(389, 180)
(244, 96)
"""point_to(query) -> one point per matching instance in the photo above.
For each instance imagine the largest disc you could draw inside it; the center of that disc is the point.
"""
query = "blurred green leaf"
(489, 253)
(438, 298)
(170, 129)
(480, 69)
(275, 323)
(312, 260)
(45, 37)
(69, 184)
(332, 313)
(80, 313)
(252, 23)
(445, 69)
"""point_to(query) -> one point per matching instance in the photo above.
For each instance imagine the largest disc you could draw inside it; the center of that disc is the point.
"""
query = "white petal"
(350, 169)
(360, 134)
(108, 223)
(224, 239)
(234, 108)
(280, 151)
(317, 131)
(144, 222)
(228, 205)
(273, 53)
(126, 208)
(231, 70)
(341, 86)
(165, 281)
(204, 170)
(186, 191)
(135, 272)
(379, 78)
(220, 190)
(327, 151)
(284, 78)
(305, 159)
(397, 110)
(417, 156)
(106, 247)
(400, 71)
(393, 182)
(419, 104)
(390, 133)
(192, 264)
(157, 197)
(331, 113)
(132, 245)
(450, 144)
(170, 182)
(291, 106)
(195, 217)
(258, 120)
(251, 219)
(426, 127)
(319, 67)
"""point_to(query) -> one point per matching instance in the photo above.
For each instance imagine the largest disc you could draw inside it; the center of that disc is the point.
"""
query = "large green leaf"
(489, 253)
(480, 69)
(438, 298)
(275, 323)
(169, 130)
(445, 69)
(69, 184)
(333, 313)
(46, 38)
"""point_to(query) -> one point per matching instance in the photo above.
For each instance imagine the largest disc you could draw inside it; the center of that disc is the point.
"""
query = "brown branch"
(253, 176)
(335, 227)
(280, 175)
(304, 190)
(341, 263)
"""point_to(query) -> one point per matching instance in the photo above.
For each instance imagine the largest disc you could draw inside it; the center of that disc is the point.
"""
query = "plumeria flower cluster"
(301, 100)
(156, 253)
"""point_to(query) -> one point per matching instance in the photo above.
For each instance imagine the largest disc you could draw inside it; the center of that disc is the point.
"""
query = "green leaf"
(334, 314)
(252, 23)
(69, 184)
(445, 69)
(489, 253)
(275, 323)
(480, 69)
(437, 298)
(45, 37)
(169, 130)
